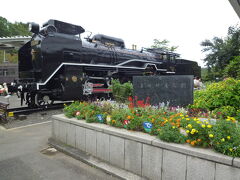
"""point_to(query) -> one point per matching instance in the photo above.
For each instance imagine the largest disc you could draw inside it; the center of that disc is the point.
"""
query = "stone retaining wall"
(143, 154)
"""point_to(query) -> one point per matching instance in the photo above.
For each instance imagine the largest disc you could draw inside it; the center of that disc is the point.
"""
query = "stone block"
(91, 142)
(55, 129)
(173, 165)
(200, 169)
(116, 151)
(236, 162)
(81, 138)
(62, 131)
(131, 135)
(103, 146)
(133, 156)
(152, 162)
(203, 153)
(224, 172)
(71, 135)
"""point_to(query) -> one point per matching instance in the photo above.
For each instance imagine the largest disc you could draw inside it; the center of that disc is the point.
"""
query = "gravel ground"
(33, 118)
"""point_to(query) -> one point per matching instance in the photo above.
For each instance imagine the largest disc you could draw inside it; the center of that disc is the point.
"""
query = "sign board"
(175, 89)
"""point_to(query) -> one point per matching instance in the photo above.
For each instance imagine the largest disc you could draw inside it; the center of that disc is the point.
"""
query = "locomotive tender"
(56, 64)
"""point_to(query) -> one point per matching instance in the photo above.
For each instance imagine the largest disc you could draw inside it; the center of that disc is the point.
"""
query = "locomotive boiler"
(56, 64)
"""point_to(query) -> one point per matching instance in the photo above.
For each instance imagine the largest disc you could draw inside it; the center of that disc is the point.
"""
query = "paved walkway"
(21, 157)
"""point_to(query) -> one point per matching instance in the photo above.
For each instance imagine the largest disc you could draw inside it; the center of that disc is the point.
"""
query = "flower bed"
(171, 125)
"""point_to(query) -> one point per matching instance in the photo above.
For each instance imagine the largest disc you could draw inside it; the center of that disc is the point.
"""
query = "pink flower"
(77, 113)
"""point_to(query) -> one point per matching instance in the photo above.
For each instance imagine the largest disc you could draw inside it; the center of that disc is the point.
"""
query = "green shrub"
(224, 95)
(171, 133)
(225, 138)
(121, 92)
(233, 68)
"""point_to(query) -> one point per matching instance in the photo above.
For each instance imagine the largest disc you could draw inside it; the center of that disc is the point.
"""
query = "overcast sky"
(184, 23)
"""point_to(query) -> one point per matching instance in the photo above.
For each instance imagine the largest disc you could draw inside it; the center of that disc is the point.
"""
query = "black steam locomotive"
(56, 64)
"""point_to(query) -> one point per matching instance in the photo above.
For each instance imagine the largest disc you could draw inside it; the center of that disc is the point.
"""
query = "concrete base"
(92, 161)
(140, 154)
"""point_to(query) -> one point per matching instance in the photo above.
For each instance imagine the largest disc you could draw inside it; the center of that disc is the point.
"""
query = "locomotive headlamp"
(33, 27)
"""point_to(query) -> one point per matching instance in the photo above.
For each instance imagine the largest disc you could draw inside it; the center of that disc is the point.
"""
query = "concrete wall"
(143, 154)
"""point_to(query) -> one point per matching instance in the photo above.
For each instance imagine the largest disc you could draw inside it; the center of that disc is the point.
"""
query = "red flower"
(126, 122)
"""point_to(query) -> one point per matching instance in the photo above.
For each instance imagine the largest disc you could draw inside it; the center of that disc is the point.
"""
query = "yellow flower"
(189, 126)
(199, 122)
(181, 115)
(229, 137)
(203, 126)
(230, 149)
(174, 127)
(186, 116)
(209, 126)
(222, 139)
(108, 118)
(187, 131)
(211, 135)
(187, 119)
(193, 131)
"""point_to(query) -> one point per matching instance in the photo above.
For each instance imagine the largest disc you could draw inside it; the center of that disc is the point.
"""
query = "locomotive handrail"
(99, 65)
(139, 60)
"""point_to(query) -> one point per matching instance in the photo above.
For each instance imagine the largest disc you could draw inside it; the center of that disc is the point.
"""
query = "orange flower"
(128, 117)
(113, 121)
(193, 143)
(199, 140)
(188, 141)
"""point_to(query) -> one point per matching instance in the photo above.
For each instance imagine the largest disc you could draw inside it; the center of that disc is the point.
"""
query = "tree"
(164, 45)
(12, 29)
(233, 68)
(4, 27)
(220, 51)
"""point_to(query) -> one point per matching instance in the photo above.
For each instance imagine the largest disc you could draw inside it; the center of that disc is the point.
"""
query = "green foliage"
(226, 135)
(197, 131)
(222, 96)
(171, 133)
(163, 44)
(220, 51)
(121, 92)
(82, 110)
(118, 116)
(10, 55)
(8, 29)
(70, 110)
(13, 29)
(233, 68)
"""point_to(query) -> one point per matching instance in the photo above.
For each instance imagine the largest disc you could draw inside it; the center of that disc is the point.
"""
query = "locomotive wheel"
(42, 100)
